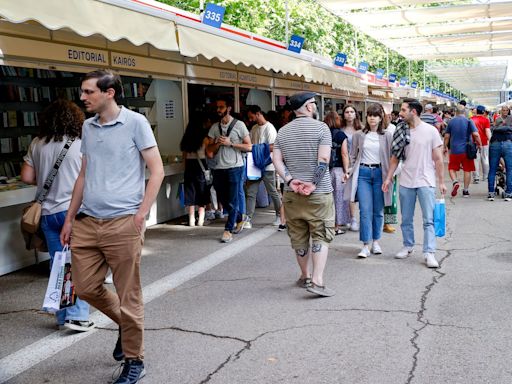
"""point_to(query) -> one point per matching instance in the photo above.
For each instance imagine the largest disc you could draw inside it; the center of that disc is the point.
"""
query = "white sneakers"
(404, 253)
(376, 249)
(430, 260)
(354, 226)
(365, 252)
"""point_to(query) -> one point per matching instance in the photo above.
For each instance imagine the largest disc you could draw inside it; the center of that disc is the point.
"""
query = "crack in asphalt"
(365, 310)
(22, 310)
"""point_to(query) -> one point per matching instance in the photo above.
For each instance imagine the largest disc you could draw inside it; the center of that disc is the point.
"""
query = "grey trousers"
(269, 179)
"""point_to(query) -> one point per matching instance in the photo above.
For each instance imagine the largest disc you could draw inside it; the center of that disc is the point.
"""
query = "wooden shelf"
(27, 106)
(18, 131)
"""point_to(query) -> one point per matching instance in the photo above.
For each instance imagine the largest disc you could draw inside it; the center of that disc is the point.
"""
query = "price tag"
(340, 59)
(403, 81)
(380, 73)
(427, 89)
(392, 77)
(296, 43)
(362, 67)
(213, 15)
(414, 84)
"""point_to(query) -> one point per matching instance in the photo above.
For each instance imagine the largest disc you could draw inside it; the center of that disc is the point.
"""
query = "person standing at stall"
(61, 122)
(227, 140)
(108, 229)
(301, 156)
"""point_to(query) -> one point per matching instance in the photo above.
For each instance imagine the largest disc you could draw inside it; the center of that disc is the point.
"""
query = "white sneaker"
(354, 226)
(404, 253)
(430, 260)
(365, 252)
(376, 249)
(248, 224)
(109, 279)
(277, 221)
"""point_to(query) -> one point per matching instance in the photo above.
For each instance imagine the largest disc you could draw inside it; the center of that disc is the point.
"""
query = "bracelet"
(289, 181)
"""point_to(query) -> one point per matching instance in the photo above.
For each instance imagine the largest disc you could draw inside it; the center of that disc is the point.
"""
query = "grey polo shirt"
(114, 177)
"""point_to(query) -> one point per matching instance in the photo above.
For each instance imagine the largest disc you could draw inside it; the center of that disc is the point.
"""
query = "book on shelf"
(6, 145)
(24, 142)
(12, 118)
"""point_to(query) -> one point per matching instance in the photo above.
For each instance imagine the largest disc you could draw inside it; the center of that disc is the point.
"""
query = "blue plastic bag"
(440, 218)
(181, 194)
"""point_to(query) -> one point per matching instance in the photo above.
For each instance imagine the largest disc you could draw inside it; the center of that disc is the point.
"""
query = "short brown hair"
(107, 79)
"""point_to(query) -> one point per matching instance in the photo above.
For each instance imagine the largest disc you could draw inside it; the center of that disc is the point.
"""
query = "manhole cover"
(505, 257)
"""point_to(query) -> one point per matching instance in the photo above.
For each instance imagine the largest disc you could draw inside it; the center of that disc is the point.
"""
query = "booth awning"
(90, 17)
(195, 41)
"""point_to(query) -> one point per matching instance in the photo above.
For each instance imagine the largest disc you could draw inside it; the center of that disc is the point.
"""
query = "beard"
(315, 115)
(222, 114)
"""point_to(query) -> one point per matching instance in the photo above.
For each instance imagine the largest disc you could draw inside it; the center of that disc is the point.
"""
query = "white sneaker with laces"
(354, 226)
(404, 253)
(430, 260)
(365, 252)
(376, 249)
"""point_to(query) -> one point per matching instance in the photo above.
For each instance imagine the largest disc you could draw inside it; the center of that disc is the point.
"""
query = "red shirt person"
(484, 131)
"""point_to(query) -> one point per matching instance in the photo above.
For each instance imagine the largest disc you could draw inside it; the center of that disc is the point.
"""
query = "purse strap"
(469, 131)
(53, 173)
(200, 163)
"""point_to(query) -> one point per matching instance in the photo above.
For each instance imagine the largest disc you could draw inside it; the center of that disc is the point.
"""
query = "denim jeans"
(371, 203)
(497, 150)
(227, 184)
(51, 226)
(427, 198)
(242, 208)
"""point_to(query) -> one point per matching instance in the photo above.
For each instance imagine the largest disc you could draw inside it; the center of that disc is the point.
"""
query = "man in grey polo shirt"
(108, 230)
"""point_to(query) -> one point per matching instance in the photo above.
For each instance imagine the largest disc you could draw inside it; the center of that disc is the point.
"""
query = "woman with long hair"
(350, 124)
(197, 190)
(338, 165)
(369, 159)
(61, 121)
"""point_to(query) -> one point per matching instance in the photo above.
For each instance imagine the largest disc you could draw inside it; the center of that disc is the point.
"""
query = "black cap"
(298, 100)
(480, 109)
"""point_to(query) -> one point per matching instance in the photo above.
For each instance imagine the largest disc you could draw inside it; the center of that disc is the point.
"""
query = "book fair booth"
(171, 65)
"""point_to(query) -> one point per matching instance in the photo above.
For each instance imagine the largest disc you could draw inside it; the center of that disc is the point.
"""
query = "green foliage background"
(324, 33)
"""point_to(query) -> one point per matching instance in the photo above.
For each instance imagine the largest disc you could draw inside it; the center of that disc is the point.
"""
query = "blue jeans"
(241, 193)
(227, 184)
(371, 203)
(51, 226)
(497, 150)
(427, 198)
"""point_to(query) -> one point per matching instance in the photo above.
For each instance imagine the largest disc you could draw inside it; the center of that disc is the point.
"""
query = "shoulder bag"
(32, 213)
(471, 150)
(208, 176)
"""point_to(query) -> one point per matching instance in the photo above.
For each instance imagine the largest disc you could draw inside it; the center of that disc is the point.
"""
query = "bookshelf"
(25, 92)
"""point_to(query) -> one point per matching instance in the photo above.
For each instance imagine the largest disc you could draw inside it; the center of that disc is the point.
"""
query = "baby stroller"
(500, 184)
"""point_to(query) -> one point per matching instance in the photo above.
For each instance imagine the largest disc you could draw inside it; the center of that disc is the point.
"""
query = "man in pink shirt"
(419, 146)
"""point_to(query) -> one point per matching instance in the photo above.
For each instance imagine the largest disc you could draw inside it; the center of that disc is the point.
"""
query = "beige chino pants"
(96, 245)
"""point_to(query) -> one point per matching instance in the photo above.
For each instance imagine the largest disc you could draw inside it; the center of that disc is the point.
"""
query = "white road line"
(19, 361)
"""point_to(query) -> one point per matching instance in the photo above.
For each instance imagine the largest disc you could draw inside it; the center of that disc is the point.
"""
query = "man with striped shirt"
(301, 157)
(429, 117)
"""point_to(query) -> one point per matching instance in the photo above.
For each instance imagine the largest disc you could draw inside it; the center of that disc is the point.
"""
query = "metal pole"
(387, 61)
(409, 79)
(424, 76)
(357, 49)
(201, 6)
(286, 32)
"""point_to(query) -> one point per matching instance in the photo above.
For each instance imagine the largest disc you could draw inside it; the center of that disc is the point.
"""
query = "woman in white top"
(62, 120)
(350, 124)
(197, 190)
(369, 159)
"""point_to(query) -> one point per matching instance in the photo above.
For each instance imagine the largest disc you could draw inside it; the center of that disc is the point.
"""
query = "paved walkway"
(232, 314)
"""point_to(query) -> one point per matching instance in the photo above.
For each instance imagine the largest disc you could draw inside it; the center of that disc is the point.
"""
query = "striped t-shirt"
(298, 141)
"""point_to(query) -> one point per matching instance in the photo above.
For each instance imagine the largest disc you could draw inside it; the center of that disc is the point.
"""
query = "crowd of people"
(317, 174)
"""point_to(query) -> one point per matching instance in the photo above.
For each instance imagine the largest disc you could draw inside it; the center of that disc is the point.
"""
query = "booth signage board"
(285, 83)
(296, 43)
(251, 78)
(14, 46)
(213, 15)
(414, 84)
(362, 67)
(403, 81)
(392, 77)
(340, 59)
(126, 61)
(211, 73)
(380, 73)
(427, 89)
(313, 87)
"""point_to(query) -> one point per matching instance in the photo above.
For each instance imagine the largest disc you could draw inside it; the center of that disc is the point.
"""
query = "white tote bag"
(54, 290)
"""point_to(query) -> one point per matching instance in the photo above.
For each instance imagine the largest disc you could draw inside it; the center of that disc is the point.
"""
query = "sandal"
(339, 231)
(320, 290)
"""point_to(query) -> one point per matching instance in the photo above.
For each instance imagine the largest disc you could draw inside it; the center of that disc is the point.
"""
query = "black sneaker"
(118, 353)
(281, 227)
(133, 371)
(465, 193)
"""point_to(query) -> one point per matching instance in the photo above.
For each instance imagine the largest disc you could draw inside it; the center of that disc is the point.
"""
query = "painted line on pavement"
(24, 359)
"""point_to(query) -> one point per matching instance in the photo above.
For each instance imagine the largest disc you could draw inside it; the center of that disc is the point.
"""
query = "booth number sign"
(296, 43)
(213, 15)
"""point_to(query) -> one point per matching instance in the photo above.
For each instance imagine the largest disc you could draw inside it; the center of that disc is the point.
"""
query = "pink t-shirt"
(418, 169)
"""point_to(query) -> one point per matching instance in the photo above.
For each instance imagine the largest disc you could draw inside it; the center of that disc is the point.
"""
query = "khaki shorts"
(309, 217)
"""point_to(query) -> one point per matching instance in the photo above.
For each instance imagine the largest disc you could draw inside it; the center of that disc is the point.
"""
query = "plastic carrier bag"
(54, 290)
(440, 218)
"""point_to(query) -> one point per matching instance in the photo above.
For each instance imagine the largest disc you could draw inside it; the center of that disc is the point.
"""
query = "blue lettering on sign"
(427, 89)
(392, 77)
(403, 81)
(340, 59)
(414, 84)
(213, 15)
(380, 73)
(296, 43)
(362, 67)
